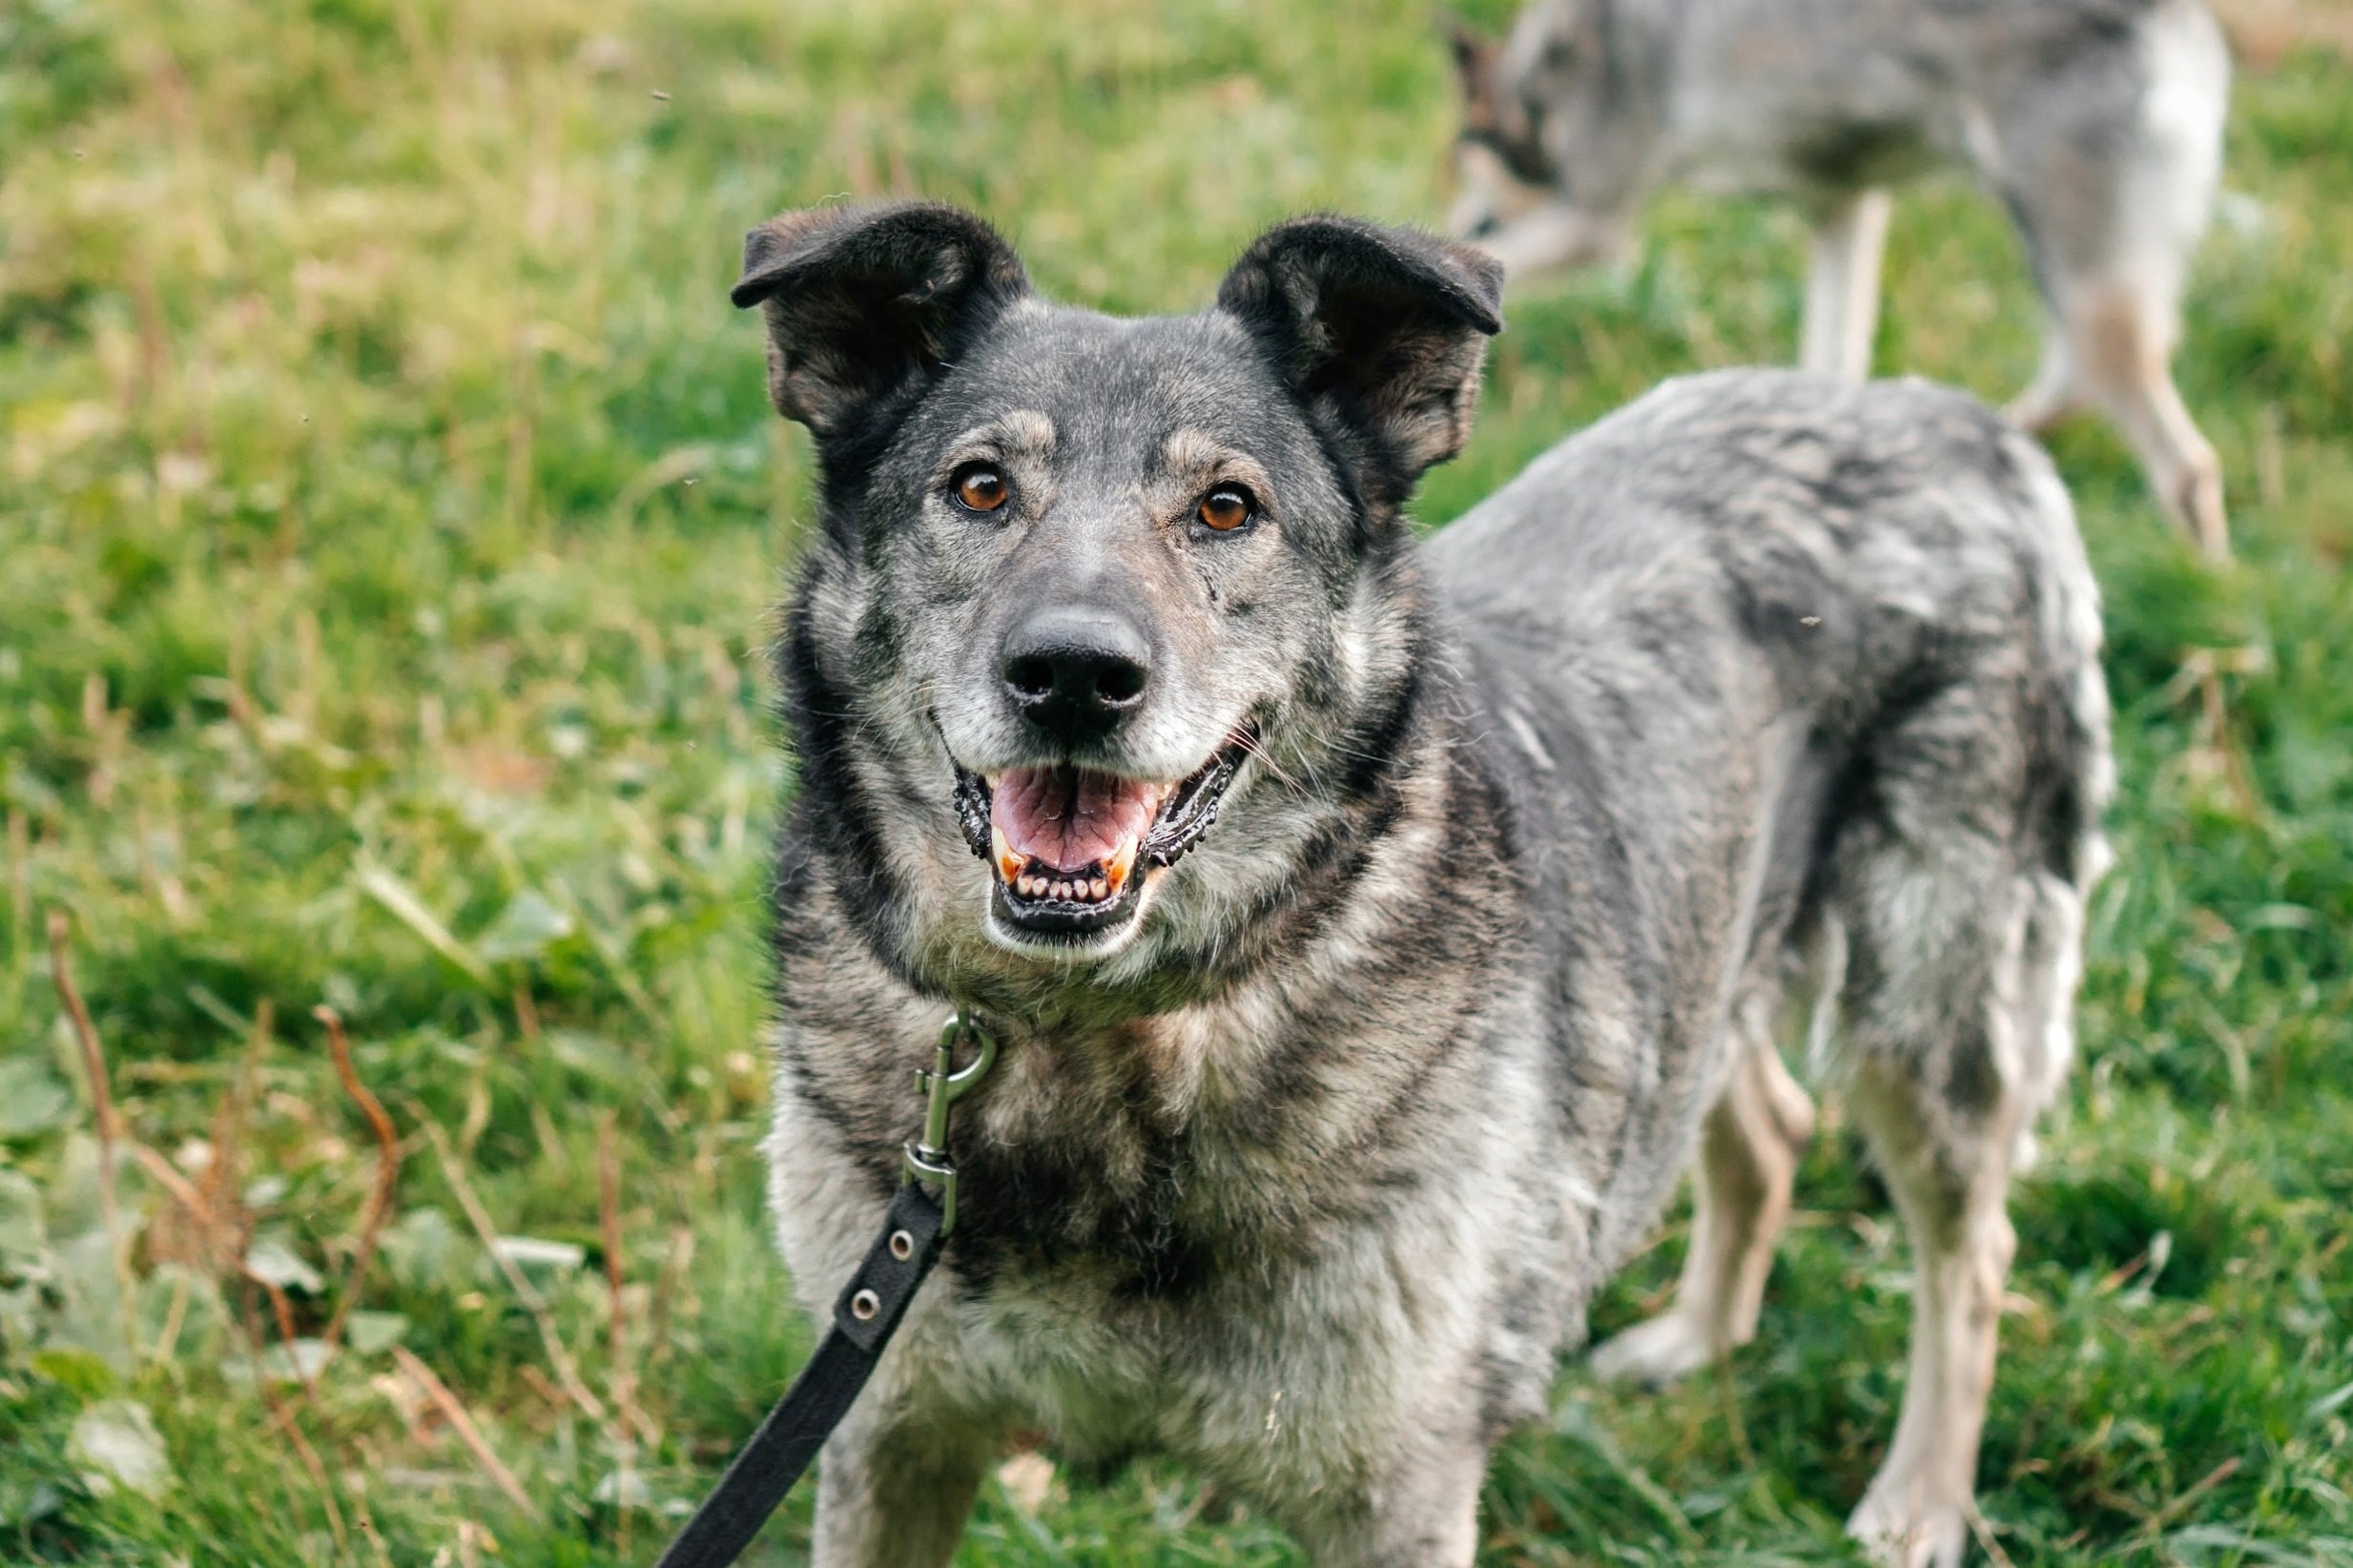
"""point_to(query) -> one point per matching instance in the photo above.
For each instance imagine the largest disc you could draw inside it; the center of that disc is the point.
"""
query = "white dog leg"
(1748, 1158)
(1952, 1187)
(1842, 290)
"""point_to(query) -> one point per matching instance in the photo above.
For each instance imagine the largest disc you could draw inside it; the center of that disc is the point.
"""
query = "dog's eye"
(981, 489)
(1227, 507)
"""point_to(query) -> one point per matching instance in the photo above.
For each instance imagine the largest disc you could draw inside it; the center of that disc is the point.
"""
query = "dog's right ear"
(1474, 54)
(864, 303)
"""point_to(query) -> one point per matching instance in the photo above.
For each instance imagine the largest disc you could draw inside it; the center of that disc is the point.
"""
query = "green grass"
(389, 516)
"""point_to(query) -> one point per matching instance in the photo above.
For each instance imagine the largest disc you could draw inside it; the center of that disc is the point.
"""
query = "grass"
(389, 514)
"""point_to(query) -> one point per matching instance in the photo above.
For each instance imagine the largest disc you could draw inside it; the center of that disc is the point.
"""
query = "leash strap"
(865, 1315)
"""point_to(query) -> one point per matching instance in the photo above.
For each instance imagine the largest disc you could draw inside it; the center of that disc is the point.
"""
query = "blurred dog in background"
(2098, 123)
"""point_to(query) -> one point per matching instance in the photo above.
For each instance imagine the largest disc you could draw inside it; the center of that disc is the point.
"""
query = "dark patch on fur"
(1848, 154)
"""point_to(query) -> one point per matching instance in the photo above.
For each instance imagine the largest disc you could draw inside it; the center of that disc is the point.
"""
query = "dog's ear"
(1474, 54)
(863, 302)
(1379, 331)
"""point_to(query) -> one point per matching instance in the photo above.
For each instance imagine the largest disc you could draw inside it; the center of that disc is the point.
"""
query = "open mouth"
(1069, 847)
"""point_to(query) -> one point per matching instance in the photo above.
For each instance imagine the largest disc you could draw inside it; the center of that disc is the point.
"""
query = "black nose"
(1075, 673)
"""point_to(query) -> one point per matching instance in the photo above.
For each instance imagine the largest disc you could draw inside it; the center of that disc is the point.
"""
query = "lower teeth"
(1082, 890)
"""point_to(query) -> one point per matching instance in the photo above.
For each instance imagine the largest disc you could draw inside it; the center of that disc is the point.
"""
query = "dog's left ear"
(1379, 331)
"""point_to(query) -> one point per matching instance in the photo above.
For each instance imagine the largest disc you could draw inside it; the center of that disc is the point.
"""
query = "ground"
(389, 518)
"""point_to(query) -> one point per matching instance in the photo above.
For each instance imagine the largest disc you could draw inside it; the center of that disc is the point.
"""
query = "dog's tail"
(2031, 889)
(2084, 773)
(2081, 773)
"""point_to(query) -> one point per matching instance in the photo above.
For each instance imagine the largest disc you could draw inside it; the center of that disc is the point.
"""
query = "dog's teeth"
(1115, 873)
(1099, 888)
(1010, 861)
(1062, 890)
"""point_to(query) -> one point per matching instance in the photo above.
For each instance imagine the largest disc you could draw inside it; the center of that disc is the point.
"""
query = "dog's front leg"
(894, 1484)
(1420, 1511)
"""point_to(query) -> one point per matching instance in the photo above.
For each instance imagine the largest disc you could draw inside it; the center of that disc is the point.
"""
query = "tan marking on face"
(1022, 432)
(1193, 460)
(1019, 441)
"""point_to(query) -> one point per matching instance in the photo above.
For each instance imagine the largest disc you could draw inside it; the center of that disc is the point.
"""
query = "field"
(390, 515)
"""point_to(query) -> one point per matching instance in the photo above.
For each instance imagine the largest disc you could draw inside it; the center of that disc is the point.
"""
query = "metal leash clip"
(943, 1085)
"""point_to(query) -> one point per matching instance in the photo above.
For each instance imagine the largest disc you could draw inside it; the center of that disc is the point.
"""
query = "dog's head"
(1533, 159)
(1086, 585)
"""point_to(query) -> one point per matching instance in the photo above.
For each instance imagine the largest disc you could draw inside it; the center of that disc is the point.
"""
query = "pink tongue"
(1071, 818)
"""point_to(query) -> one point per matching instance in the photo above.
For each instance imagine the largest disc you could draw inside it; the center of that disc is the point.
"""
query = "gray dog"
(2098, 123)
(1312, 1136)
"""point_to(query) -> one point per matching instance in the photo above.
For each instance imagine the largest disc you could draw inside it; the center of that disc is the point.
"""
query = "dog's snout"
(1075, 673)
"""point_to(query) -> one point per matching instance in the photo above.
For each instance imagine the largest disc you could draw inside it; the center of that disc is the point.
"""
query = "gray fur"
(2097, 123)
(1306, 1176)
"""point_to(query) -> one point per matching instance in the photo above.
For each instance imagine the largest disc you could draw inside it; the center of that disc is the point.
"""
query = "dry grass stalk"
(566, 1370)
(200, 1212)
(20, 874)
(108, 1124)
(666, 1283)
(609, 1223)
(104, 738)
(283, 1419)
(1986, 1542)
(281, 1416)
(237, 1100)
(2154, 1524)
(454, 1412)
(221, 1248)
(387, 1172)
(369, 1531)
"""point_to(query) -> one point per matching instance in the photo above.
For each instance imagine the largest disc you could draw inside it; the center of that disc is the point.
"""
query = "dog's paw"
(1899, 1528)
(1654, 1352)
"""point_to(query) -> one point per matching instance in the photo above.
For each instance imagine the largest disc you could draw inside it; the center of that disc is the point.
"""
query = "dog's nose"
(1075, 673)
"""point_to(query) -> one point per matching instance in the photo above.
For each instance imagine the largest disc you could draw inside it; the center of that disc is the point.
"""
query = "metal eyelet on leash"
(943, 1084)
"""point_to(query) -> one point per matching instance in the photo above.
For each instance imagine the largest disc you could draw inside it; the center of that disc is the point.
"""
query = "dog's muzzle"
(1069, 847)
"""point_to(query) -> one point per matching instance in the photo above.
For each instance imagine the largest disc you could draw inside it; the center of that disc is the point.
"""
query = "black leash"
(823, 1395)
(865, 1315)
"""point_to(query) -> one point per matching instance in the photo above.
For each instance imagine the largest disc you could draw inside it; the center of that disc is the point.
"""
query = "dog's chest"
(1202, 1300)
(1107, 1174)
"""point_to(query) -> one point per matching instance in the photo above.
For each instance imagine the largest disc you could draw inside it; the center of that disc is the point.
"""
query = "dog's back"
(1861, 616)
(1823, 97)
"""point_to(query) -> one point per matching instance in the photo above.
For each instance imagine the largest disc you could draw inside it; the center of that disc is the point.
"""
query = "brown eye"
(1226, 508)
(981, 489)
